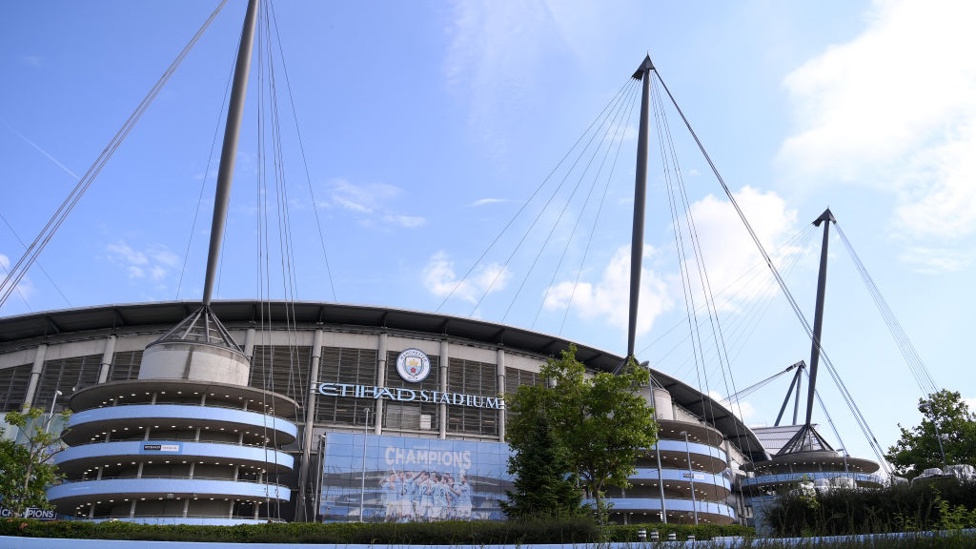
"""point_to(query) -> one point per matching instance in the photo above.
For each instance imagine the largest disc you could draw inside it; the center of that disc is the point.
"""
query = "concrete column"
(301, 508)
(444, 360)
(249, 344)
(500, 365)
(35, 375)
(381, 382)
(107, 357)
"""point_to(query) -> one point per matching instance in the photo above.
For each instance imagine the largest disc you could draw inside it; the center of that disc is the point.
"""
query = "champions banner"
(403, 479)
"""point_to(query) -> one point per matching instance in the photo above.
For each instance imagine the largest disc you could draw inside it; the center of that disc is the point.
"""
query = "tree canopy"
(26, 468)
(578, 429)
(946, 419)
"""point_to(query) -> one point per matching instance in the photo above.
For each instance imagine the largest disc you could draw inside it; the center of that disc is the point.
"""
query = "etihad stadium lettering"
(348, 390)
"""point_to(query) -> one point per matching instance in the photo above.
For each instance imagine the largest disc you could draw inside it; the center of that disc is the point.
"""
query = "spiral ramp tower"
(690, 476)
(188, 441)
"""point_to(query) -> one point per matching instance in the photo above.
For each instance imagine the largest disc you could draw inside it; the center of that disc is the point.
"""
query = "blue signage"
(403, 479)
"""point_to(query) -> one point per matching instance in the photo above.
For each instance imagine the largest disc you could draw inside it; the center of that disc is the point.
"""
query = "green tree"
(599, 425)
(948, 426)
(544, 484)
(26, 468)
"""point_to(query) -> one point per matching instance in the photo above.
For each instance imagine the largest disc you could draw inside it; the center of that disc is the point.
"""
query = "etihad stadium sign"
(402, 394)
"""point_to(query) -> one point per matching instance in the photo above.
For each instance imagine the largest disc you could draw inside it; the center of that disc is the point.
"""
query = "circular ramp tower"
(186, 442)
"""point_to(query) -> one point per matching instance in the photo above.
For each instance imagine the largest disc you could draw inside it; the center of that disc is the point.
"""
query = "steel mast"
(225, 173)
(640, 192)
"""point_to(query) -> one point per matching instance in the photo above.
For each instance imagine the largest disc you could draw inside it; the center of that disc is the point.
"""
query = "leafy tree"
(26, 469)
(946, 419)
(598, 426)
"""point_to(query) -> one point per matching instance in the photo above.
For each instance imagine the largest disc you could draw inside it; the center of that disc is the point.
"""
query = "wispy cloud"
(895, 110)
(152, 264)
(373, 203)
(31, 60)
(487, 202)
(492, 59)
(937, 260)
(441, 280)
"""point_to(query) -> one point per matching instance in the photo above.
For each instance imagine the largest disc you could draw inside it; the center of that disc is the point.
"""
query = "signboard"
(402, 394)
(162, 448)
(403, 479)
(31, 512)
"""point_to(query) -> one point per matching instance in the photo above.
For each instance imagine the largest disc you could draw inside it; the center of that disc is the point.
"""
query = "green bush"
(529, 531)
(940, 504)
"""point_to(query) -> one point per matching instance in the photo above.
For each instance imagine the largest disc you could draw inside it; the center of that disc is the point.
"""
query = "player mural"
(400, 479)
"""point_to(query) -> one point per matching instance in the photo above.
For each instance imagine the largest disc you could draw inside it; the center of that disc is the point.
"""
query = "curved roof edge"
(52, 323)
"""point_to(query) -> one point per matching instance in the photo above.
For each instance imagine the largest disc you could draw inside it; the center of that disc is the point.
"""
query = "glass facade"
(402, 479)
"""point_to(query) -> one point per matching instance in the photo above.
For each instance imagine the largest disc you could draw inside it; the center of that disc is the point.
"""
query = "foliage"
(937, 504)
(598, 426)
(566, 530)
(544, 485)
(945, 416)
(26, 468)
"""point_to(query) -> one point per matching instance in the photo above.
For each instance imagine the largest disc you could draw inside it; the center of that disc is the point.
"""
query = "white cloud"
(153, 263)
(609, 298)
(372, 203)
(971, 402)
(729, 252)
(743, 409)
(895, 110)
(441, 280)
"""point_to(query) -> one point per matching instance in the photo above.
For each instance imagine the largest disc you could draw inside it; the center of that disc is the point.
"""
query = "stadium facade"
(324, 412)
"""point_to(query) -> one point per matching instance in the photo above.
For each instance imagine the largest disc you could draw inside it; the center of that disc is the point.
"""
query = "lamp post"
(691, 476)
(47, 427)
(362, 488)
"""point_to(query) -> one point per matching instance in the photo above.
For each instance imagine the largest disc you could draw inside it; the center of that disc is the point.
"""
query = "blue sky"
(427, 125)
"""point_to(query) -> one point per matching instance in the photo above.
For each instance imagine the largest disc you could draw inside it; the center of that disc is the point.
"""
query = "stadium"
(319, 411)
